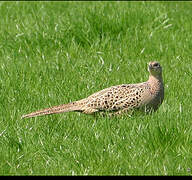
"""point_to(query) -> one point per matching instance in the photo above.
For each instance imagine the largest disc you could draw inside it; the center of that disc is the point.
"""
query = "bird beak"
(149, 65)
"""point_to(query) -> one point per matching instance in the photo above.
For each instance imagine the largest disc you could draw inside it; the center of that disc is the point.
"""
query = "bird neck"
(155, 79)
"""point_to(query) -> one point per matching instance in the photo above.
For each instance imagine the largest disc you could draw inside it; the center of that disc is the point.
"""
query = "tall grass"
(56, 52)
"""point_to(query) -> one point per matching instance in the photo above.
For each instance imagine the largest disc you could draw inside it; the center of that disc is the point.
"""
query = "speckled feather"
(145, 96)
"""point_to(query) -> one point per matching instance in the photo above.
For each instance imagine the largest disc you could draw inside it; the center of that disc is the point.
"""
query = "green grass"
(56, 52)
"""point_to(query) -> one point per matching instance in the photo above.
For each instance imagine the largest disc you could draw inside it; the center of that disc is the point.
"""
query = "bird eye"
(156, 65)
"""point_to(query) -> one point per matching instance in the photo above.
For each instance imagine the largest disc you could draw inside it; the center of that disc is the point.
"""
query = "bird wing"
(117, 97)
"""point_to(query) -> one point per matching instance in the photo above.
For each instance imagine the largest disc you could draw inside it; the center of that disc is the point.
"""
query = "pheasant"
(146, 96)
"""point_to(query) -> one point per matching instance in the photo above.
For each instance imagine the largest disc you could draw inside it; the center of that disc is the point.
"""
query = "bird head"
(155, 69)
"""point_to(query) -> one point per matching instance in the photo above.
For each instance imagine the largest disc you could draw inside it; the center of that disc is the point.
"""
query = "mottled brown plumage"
(145, 96)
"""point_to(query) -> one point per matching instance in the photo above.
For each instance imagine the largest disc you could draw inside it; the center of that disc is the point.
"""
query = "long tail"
(73, 106)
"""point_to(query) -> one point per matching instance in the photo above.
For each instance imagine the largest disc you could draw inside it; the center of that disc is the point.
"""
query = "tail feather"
(53, 110)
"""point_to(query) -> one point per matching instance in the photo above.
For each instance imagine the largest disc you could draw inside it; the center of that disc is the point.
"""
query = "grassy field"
(56, 52)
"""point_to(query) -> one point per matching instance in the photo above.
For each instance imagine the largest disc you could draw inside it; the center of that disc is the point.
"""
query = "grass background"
(56, 52)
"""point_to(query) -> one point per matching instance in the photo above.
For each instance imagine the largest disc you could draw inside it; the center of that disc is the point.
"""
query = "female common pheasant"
(146, 96)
